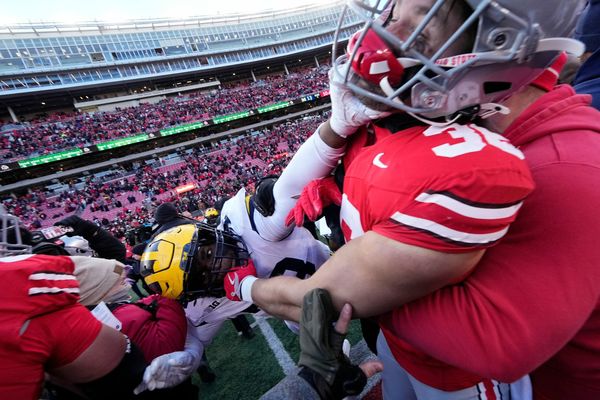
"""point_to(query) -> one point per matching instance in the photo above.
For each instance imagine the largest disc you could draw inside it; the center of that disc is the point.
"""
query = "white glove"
(347, 112)
(168, 370)
(172, 369)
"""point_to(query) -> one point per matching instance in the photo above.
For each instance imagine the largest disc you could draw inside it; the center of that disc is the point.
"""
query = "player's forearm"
(331, 138)
(376, 274)
(315, 159)
(317, 156)
(279, 296)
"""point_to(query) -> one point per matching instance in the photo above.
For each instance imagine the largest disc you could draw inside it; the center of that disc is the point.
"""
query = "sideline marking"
(283, 358)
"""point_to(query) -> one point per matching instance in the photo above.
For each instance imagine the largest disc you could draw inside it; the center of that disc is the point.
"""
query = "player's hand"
(323, 363)
(168, 370)
(315, 196)
(80, 226)
(347, 112)
(233, 280)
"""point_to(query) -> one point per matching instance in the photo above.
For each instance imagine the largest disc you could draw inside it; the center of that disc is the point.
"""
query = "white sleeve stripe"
(52, 277)
(16, 258)
(51, 290)
(482, 392)
(379, 67)
(448, 233)
(553, 71)
(496, 385)
(468, 210)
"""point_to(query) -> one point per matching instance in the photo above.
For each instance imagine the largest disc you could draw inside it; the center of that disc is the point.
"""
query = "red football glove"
(234, 278)
(315, 196)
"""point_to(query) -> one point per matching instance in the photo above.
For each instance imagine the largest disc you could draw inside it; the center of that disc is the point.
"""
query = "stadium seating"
(122, 200)
(61, 131)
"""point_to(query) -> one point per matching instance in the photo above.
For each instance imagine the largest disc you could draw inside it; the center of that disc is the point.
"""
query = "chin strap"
(489, 109)
(568, 45)
(483, 111)
(437, 124)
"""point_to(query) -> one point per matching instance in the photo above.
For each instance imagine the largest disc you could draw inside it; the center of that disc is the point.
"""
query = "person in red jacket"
(43, 329)
(156, 324)
(355, 279)
(533, 302)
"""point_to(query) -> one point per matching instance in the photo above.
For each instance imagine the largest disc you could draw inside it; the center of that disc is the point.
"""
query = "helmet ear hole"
(493, 87)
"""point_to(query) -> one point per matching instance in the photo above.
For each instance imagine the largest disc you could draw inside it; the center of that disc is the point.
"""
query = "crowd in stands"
(62, 131)
(122, 201)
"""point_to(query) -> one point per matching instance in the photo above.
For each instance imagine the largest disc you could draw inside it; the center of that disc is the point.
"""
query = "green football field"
(247, 368)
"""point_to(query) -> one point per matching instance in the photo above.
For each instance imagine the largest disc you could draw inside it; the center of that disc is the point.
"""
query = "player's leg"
(486, 389)
(395, 382)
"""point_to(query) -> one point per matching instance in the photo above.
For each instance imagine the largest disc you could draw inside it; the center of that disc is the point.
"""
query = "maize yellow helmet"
(211, 212)
(190, 261)
(211, 216)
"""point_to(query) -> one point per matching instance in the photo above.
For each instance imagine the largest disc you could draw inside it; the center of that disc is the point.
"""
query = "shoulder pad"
(263, 199)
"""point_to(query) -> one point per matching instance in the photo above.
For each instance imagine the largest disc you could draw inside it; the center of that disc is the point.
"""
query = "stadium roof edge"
(154, 23)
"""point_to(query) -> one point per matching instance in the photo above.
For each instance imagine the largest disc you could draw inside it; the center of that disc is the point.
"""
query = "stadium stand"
(80, 86)
(122, 200)
(103, 90)
(61, 131)
(65, 87)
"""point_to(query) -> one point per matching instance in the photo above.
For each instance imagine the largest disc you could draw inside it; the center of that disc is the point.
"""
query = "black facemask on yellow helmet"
(211, 216)
(190, 261)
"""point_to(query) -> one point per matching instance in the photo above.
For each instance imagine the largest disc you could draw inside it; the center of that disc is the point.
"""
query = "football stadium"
(190, 199)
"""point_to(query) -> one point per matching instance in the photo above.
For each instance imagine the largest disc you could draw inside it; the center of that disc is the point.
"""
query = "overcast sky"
(24, 11)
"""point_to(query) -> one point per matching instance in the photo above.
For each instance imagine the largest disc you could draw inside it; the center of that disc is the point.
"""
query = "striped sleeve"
(51, 282)
(448, 222)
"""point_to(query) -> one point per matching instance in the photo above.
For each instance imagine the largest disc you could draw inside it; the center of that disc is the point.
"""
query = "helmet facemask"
(216, 253)
(11, 240)
(489, 50)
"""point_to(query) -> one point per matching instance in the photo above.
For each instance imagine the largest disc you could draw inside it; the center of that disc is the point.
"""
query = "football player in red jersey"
(423, 204)
(43, 328)
(532, 304)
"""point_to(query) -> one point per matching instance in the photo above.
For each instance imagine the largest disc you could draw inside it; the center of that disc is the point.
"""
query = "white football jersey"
(207, 314)
(298, 254)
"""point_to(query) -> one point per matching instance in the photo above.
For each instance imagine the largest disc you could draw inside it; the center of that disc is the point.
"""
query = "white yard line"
(283, 358)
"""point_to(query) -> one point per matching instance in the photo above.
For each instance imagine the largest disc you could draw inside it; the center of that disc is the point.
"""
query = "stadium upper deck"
(52, 59)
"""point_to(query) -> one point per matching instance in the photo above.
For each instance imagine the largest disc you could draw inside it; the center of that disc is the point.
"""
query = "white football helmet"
(77, 246)
(11, 242)
(514, 41)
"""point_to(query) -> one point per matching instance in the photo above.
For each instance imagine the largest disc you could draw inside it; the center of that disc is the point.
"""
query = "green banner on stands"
(276, 106)
(183, 128)
(231, 117)
(31, 162)
(48, 158)
(122, 142)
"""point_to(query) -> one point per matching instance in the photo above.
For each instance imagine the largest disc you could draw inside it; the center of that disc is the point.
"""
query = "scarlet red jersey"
(451, 189)
(41, 323)
(533, 302)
